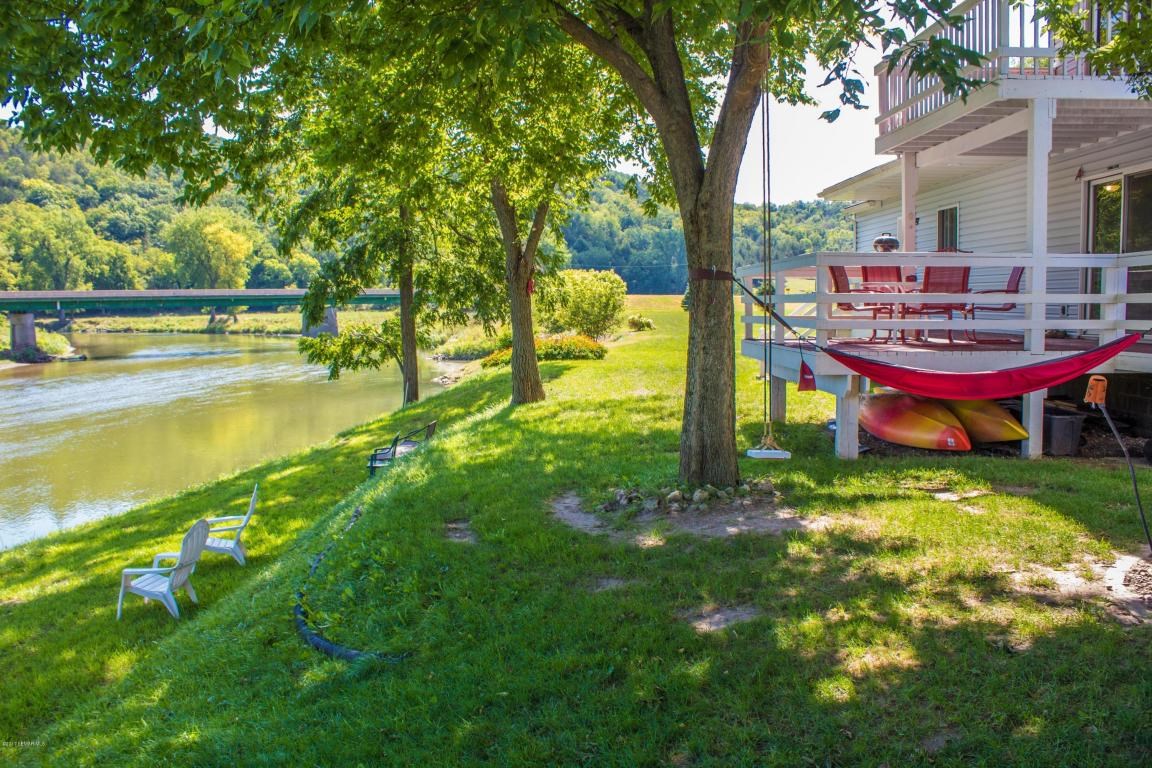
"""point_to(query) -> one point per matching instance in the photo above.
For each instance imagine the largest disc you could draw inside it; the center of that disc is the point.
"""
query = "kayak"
(985, 421)
(913, 421)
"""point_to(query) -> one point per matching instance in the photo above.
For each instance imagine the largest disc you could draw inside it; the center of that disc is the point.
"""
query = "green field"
(899, 629)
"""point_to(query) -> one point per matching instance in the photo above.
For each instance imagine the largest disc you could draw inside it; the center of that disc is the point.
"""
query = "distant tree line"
(644, 244)
(67, 223)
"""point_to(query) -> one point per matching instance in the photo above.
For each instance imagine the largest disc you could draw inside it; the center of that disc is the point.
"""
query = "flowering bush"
(553, 348)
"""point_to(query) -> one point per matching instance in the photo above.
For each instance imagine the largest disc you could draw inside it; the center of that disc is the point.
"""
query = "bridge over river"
(21, 306)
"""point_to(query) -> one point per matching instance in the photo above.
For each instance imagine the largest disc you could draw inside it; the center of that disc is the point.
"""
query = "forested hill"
(68, 224)
(614, 232)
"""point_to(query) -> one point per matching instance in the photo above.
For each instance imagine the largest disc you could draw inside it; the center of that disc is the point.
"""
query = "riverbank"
(899, 611)
(259, 323)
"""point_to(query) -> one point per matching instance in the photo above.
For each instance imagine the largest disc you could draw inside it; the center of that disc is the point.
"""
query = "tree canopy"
(142, 89)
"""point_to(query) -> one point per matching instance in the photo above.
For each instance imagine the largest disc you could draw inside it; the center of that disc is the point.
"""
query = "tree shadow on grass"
(59, 636)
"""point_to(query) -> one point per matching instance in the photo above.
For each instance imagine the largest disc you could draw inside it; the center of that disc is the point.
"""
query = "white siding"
(874, 223)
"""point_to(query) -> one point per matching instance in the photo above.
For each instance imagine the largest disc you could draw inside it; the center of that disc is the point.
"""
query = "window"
(1120, 221)
(948, 229)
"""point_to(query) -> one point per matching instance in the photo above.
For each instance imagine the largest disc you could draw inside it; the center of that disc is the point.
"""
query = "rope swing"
(768, 448)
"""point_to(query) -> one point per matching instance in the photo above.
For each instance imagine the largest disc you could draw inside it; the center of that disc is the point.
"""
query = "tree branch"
(537, 231)
(509, 231)
(613, 54)
(750, 59)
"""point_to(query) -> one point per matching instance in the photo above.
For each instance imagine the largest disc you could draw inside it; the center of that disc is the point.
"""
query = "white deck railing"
(1011, 37)
(804, 296)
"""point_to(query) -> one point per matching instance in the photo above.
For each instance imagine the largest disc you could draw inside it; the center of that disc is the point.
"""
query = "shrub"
(640, 323)
(586, 302)
(553, 348)
(475, 348)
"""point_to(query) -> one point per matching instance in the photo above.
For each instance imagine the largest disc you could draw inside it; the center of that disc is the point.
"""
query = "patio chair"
(882, 275)
(840, 284)
(1012, 286)
(231, 546)
(941, 280)
(163, 583)
(401, 444)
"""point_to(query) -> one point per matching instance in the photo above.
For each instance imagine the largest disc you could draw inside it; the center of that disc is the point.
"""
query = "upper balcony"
(1022, 61)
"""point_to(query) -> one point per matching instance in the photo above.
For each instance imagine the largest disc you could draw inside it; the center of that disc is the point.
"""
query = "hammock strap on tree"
(967, 385)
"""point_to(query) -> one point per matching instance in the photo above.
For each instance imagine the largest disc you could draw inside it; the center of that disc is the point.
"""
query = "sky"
(809, 154)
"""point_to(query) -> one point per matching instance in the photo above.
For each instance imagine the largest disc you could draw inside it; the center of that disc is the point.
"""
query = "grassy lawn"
(891, 635)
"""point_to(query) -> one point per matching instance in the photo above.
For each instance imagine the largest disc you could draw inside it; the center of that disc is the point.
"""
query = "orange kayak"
(985, 421)
(913, 421)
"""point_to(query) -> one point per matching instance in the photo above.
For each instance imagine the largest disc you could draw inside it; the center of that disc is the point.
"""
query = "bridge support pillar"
(23, 326)
(328, 326)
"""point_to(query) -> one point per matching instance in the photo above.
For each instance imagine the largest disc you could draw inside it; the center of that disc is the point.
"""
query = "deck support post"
(848, 419)
(779, 399)
(1041, 113)
(1033, 417)
(328, 326)
(909, 185)
(22, 331)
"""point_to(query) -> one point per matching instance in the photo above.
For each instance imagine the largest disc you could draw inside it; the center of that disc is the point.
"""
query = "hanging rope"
(767, 285)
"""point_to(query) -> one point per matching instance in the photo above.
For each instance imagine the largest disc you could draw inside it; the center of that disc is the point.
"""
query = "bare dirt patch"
(608, 584)
(1059, 586)
(460, 531)
(1129, 588)
(938, 741)
(568, 510)
(713, 618)
(959, 495)
(1015, 490)
(757, 517)
(650, 518)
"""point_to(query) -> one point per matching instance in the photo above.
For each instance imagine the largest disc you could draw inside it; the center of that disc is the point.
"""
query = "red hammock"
(984, 385)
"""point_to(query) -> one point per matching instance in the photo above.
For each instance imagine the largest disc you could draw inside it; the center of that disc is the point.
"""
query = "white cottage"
(1047, 167)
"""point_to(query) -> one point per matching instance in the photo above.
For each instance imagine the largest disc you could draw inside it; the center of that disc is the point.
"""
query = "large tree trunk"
(526, 384)
(520, 263)
(704, 193)
(707, 436)
(410, 364)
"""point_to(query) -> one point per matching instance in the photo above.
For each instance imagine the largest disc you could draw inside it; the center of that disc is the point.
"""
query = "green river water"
(149, 414)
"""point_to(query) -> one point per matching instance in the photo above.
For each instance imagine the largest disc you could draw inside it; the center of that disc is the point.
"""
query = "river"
(148, 415)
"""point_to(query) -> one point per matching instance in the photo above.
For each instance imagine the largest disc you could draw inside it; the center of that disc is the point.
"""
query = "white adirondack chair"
(162, 583)
(231, 546)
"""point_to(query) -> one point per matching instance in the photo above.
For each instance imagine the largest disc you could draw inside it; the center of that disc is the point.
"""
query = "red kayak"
(913, 421)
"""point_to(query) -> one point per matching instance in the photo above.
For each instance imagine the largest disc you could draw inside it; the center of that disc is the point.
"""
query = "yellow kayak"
(985, 421)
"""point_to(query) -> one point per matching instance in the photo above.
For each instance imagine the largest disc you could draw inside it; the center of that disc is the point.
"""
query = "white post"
(848, 419)
(1114, 282)
(1033, 418)
(1041, 112)
(823, 307)
(909, 185)
(779, 399)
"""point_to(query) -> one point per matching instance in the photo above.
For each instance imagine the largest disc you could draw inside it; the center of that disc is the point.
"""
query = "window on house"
(1138, 213)
(948, 229)
(1120, 221)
